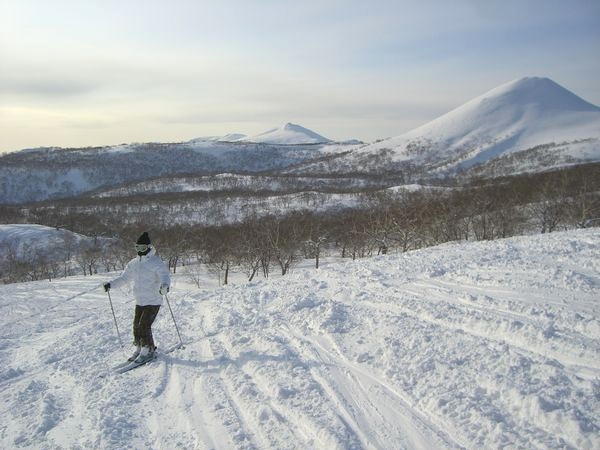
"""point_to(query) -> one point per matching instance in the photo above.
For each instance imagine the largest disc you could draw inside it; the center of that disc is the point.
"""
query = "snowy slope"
(232, 137)
(511, 118)
(478, 345)
(31, 238)
(288, 134)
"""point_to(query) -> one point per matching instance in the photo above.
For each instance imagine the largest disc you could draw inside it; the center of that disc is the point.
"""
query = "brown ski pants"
(142, 325)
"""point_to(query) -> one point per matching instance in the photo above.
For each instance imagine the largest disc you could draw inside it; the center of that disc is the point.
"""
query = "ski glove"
(163, 289)
(106, 287)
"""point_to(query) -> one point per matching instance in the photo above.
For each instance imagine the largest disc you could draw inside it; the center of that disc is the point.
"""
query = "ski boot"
(146, 354)
(135, 354)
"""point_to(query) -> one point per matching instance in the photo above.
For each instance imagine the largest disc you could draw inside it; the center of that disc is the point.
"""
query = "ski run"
(485, 345)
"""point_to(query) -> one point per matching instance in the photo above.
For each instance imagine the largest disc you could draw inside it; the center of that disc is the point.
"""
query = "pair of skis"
(130, 365)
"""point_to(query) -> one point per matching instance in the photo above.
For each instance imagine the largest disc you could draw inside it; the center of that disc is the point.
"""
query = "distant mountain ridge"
(53, 173)
(527, 125)
(288, 134)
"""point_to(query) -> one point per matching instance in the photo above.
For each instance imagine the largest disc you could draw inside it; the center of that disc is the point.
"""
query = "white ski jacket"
(146, 274)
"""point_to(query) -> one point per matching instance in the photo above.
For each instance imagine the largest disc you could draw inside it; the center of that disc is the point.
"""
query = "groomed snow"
(473, 345)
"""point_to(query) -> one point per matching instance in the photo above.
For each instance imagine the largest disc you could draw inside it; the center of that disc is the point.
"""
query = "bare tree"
(253, 251)
(317, 236)
(220, 252)
(282, 237)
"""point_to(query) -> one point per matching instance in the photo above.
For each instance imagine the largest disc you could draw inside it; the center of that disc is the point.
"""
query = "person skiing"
(150, 281)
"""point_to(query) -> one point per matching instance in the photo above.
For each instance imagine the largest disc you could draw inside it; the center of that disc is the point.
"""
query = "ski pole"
(173, 317)
(80, 294)
(115, 318)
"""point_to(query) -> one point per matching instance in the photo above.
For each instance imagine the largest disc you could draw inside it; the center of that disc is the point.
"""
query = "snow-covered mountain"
(512, 118)
(288, 134)
(231, 137)
(48, 173)
(527, 124)
(479, 345)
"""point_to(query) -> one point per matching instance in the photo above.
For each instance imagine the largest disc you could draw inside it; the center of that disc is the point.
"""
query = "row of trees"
(66, 255)
(397, 223)
(385, 221)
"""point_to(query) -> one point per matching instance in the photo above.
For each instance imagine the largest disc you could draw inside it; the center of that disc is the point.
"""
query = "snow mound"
(40, 239)
(288, 134)
(467, 345)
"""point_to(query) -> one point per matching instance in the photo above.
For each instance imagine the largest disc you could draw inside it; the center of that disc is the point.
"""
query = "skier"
(150, 279)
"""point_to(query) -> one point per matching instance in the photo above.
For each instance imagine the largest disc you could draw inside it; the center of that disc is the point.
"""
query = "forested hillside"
(256, 231)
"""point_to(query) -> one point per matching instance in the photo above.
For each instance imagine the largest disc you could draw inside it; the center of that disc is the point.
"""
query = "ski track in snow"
(478, 345)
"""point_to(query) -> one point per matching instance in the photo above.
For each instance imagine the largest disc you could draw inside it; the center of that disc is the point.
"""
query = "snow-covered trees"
(251, 231)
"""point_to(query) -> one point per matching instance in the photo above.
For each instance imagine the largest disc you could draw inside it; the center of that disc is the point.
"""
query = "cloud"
(43, 87)
(185, 66)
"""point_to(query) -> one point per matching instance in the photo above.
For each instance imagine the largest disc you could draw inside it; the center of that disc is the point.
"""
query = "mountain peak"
(538, 92)
(288, 134)
(509, 109)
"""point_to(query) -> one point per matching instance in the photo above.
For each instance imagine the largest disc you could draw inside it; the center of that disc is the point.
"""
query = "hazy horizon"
(104, 73)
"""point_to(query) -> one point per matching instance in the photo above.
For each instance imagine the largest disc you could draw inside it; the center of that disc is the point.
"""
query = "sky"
(104, 72)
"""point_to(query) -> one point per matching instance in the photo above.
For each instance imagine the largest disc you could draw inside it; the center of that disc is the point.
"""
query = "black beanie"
(144, 239)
